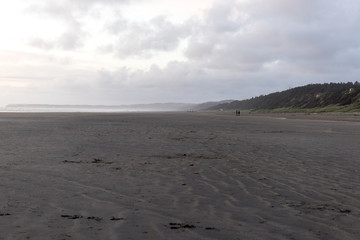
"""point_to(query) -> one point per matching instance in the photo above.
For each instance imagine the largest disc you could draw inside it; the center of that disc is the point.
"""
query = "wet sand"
(178, 176)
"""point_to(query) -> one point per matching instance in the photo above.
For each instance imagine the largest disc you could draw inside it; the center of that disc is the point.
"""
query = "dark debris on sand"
(181, 226)
(95, 161)
(70, 161)
(4, 214)
(116, 218)
(98, 160)
(75, 216)
(98, 219)
(71, 216)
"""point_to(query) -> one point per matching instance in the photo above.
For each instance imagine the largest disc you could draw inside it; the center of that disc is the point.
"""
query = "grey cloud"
(112, 79)
(68, 40)
(296, 32)
(223, 17)
(131, 86)
(53, 10)
(118, 26)
(82, 3)
(71, 39)
(142, 39)
(181, 81)
(67, 12)
(41, 43)
(199, 49)
(54, 6)
(174, 75)
(297, 10)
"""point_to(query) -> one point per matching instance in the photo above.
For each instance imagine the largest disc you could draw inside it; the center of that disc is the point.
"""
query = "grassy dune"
(348, 109)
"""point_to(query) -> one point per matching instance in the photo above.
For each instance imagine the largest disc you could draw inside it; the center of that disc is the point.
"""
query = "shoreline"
(347, 117)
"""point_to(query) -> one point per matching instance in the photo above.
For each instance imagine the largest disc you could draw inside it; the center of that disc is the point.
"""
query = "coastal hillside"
(207, 105)
(328, 96)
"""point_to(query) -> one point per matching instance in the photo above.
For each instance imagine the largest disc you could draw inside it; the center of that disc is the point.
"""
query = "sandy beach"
(179, 176)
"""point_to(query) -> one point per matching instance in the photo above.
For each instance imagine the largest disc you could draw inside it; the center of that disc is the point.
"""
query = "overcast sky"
(144, 51)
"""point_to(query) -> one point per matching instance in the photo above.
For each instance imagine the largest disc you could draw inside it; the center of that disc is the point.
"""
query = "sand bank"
(178, 176)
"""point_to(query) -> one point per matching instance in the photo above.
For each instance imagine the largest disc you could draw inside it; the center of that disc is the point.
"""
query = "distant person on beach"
(237, 112)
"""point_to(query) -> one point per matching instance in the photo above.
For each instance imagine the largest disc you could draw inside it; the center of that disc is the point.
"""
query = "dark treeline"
(309, 96)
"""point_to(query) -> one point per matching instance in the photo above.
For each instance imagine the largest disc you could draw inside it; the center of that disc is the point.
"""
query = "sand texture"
(178, 176)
